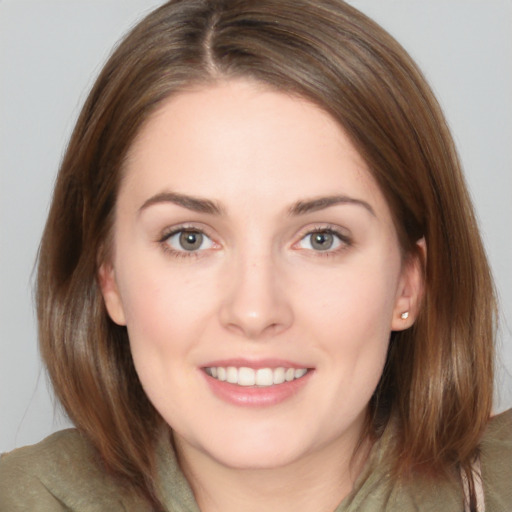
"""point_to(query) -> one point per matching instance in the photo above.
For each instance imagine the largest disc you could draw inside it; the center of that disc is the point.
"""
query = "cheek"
(166, 315)
(350, 311)
(357, 297)
(165, 308)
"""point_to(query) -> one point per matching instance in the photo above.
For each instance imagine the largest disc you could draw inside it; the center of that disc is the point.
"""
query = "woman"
(261, 284)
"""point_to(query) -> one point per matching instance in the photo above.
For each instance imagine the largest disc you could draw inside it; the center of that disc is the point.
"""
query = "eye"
(322, 240)
(188, 240)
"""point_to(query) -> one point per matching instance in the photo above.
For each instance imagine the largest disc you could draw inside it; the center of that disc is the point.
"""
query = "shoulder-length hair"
(438, 378)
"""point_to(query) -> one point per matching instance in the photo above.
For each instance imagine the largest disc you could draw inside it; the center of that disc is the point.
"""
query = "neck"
(315, 483)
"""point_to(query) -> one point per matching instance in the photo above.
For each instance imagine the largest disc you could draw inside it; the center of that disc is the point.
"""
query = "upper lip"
(255, 364)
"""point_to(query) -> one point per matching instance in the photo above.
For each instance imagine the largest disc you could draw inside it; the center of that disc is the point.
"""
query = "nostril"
(256, 324)
(253, 303)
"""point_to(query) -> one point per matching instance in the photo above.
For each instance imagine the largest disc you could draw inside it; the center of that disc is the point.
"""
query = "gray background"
(50, 52)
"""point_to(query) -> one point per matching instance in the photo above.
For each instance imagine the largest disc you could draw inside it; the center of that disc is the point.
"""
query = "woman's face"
(257, 269)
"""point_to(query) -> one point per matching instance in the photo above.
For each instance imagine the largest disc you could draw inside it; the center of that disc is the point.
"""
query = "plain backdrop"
(50, 53)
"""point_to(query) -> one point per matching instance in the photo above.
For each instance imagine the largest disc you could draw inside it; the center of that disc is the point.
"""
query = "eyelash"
(345, 241)
(167, 235)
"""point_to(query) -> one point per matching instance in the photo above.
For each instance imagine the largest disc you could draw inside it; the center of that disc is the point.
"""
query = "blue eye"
(325, 240)
(188, 240)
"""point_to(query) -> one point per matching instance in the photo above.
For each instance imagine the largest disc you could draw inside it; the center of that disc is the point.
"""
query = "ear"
(110, 292)
(411, 288)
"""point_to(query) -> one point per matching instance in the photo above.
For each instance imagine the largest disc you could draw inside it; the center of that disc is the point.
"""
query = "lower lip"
(250, 396)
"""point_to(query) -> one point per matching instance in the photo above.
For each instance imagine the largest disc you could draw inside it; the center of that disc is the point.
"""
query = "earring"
(404, 315)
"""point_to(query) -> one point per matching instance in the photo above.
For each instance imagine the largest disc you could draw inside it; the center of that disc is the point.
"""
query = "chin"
(256, 448)
(257, 457)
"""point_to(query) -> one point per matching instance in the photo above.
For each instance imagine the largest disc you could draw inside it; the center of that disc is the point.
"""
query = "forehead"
(241, 139)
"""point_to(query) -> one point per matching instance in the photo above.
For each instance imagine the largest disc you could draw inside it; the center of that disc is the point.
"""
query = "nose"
(254, 299)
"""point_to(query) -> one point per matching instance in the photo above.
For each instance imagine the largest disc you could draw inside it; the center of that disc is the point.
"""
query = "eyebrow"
(207, 206)
(194, 204)
(320, 203)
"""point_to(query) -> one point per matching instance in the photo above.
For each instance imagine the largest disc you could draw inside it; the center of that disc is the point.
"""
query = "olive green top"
(62, 474)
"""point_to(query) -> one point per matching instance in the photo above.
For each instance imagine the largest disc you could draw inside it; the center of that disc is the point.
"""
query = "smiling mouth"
(262, 377)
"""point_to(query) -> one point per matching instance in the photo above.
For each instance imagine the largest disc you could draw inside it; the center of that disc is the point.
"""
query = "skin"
(257, 289)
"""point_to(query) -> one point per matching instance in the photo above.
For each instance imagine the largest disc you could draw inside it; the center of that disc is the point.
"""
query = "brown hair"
(438, 378)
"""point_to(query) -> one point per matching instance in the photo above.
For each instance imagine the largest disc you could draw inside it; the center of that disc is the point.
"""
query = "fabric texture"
(63, 474)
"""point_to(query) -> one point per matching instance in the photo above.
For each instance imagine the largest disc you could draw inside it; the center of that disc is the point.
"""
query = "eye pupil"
(191, 240)
(322, 241)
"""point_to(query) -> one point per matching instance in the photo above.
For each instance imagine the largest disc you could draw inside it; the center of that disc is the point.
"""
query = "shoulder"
(377, 490)
(60, 473)
(496, 461)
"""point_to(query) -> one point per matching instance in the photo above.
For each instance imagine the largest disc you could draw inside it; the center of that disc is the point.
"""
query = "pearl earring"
(405, 315)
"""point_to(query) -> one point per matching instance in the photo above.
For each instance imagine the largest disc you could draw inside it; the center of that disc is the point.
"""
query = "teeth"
(262, 377)
(232, 375)
(246, 377)
(300, 373)
(279, 375)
